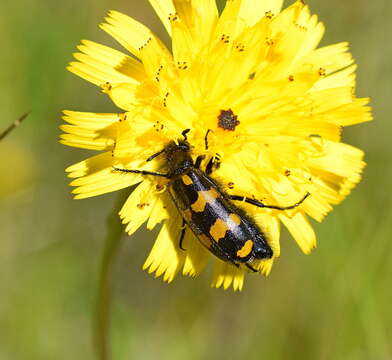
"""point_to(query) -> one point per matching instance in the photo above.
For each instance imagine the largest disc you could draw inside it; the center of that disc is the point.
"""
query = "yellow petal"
(229, 22)
(87, 72)
(100, 179)
(252, 11)
(205, 17)
(323, 101)
(301, 231)
(112, 60)
(339, 159)
(311, 127)
(89, 120)
(91, 165)
(265, 266)
(226, 274)
(196, 255)
(301, 35)
(98, 70)
(127, 31)
(351, 113)
(155, 58)
(86, 142)
(89, 130)
(330, 58)
(164, 9)
(183, 45)
(166, 258)
(139, 40)
(122, 94)
(138, 206)
(108, 133)
(340, 79)
(159, 211)
(271, 227)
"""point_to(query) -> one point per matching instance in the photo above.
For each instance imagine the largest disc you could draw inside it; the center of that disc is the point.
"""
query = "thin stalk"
(111, 248)
(14, 125)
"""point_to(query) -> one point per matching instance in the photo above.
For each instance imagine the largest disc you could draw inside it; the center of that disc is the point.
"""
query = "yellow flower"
(257, 67)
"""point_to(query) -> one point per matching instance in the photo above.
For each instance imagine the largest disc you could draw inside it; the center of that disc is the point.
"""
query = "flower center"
(227, 120)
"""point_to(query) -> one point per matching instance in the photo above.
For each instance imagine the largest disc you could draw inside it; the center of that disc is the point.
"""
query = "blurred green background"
(334, 304)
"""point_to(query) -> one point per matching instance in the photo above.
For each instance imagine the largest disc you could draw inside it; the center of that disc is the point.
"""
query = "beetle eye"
(263, 253)
(183, 147)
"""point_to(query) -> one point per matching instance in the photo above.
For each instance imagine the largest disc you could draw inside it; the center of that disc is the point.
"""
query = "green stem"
(111, 247)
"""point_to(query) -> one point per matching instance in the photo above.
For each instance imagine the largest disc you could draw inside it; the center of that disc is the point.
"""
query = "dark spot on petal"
(269, 14)
(227, 120)
(252, 76)
(322, 72)
(142, 205)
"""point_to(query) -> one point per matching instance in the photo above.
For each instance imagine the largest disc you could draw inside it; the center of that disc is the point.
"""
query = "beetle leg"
(198, 161)
(260, 204)
(214, 162)
(251, 267)
(182, 236)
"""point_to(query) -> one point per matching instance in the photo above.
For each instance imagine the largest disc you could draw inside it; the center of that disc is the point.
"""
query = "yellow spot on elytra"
(235, 218)
(220, 227)
(186, 180)
(204, 197)
(246, 249)
(218, 230)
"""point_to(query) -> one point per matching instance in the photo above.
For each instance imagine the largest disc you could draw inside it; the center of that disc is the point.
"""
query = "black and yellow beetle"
(222, 227)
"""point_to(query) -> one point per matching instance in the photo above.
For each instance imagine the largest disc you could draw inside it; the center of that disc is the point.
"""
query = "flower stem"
(111, 246)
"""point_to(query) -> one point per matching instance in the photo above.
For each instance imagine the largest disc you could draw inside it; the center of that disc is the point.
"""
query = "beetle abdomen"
(216, 221)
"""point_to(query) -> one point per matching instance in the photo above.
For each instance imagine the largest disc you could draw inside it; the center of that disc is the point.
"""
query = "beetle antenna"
(184, 134)
(155, 155)
(206, 138)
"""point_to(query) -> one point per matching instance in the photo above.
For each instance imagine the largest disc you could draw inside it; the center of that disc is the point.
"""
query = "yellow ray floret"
(226, 275)
(165, 257)
(164, 9)
(89, 130)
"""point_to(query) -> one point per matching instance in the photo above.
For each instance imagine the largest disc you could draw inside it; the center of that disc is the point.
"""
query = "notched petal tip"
(227, 275)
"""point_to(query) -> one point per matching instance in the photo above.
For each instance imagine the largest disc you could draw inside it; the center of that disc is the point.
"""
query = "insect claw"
(251, 268)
